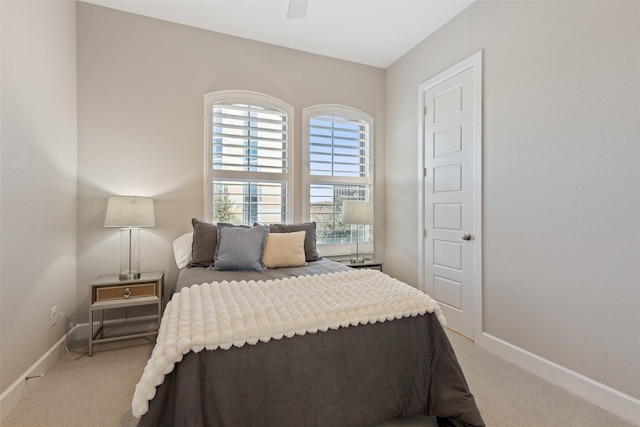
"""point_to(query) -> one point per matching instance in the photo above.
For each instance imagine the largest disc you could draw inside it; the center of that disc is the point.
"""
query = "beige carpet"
(97, 391)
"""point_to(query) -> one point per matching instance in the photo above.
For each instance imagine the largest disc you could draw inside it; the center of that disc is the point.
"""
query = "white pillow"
(182, 249)
(284, 250)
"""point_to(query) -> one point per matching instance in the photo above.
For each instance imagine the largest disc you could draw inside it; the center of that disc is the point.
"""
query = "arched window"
(339, 166)
(248, 152)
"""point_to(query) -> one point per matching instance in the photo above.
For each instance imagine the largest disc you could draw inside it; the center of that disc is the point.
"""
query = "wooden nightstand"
(369, 264)
(109, 292)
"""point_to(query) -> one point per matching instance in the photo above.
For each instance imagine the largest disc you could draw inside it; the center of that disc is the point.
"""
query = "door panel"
(447, 178)
(447, 254)
(447, 142)
(447, 216)
(448, 291)
(447, 104)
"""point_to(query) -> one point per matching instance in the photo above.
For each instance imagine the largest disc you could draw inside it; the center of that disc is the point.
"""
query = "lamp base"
(129, 253)
(357, 254)
(356, 260)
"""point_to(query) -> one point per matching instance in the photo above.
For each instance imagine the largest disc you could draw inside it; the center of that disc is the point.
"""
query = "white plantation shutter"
(248, 172)
(339, 147)
(249, 138)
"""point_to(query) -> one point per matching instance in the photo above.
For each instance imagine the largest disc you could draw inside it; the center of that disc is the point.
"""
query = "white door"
(451, 195)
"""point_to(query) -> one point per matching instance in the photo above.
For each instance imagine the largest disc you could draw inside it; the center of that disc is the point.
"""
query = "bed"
(301, 343)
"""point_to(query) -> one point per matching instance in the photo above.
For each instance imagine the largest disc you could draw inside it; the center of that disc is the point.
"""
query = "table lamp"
(357, 213)
(129, 213)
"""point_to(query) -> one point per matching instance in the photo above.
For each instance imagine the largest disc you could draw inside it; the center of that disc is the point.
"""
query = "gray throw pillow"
(240, 248)
(310, 249)
(203, 248)
(222, 225)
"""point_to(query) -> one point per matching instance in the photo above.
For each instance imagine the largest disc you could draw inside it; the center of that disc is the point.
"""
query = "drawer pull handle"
(127, 293)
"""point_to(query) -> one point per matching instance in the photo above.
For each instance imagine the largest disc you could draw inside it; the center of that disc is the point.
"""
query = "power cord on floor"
(66, 336)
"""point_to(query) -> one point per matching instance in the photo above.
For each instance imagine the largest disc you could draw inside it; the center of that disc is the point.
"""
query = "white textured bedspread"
(226, 314)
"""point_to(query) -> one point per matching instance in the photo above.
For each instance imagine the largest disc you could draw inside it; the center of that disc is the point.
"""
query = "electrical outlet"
(52, 321)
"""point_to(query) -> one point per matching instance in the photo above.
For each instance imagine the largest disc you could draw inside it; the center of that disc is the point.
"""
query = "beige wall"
(561, 178)
(141, 86)
(38, 179)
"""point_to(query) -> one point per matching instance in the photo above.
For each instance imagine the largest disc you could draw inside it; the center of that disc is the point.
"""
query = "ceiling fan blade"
(297, 9)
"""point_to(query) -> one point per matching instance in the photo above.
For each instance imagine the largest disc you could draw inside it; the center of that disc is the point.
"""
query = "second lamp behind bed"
(359, 214)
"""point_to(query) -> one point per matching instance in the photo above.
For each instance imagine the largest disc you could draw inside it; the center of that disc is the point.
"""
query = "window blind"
(249, 138)
(339, 147)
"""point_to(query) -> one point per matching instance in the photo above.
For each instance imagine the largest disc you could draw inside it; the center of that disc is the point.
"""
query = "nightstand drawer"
(125, 291)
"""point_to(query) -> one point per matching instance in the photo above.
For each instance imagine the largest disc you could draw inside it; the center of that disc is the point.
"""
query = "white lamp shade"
(357, 212)
(129, 211)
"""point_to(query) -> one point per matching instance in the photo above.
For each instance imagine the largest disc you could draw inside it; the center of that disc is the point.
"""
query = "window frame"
(348, 113)
(249, 98)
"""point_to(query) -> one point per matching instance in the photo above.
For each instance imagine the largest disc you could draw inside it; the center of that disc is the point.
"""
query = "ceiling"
(371, 32)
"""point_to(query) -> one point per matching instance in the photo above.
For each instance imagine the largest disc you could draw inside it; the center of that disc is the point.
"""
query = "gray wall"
(561, 178)
(141, 86)
(38, 179)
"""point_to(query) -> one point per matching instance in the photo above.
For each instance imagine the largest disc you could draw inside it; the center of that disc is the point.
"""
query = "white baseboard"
(597, 393)
(10, 398)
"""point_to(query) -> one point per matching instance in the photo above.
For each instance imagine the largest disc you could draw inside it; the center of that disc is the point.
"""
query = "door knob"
(467, 236)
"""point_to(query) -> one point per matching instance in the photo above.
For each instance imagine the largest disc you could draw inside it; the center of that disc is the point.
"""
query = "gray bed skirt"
(354, 376)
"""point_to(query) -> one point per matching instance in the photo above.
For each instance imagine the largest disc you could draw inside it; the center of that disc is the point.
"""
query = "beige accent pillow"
(284, 250)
